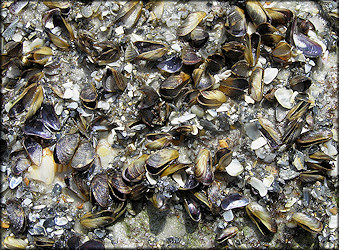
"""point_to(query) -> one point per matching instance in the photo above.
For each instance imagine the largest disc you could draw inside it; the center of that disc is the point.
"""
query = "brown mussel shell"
(190, 23)
(313, 137)
(308, 222)
(34, 150)
(100, 190)
(258, 214)
(157, 162)
(136, 170)
(203, 170)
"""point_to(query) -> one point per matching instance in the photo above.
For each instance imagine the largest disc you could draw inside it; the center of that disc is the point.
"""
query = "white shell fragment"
(333, 221)
(258, 185)
(258, 143)
(182, 119)
(228, 215)
(46, 171)
(268, 180)
(270, 74)
(234, 168)
(284, 97)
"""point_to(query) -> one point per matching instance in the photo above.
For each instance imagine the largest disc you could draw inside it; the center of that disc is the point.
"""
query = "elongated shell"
(234, 200)
(49, 117)
(236, 21)
(202, 79)
(223, 158)
(233, 86)
(258, 213)
(257, 12)
(190, 23)
(88, 96)
(30, 100)
(308, 222)
(157, 161)
(104, 217)
(173, 85)
(226, 234)
(65, 148)
(150, 50)
(257, 84)
(314, 137)
(269, 131)
(11, 242)
(203, 170)
(211, 98)
(37, 128)
(158, 140)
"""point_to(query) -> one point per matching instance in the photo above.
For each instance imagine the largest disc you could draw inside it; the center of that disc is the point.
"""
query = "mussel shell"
(189, 24)
(233, 51)
(16, 216)
(280, 15)
(77, 183)
(138, 191)
(174, 168)
(298, 110)
(92, 244)
(13, 49)
(283, 51)
(34, 150)
(300, 83)
(323, 166)
(309, 47)
(151, 97)
(215, 62)
(268, 129)
(49, 117)
(131, 17)
(117, 182)
(37, 128)
(202, 79)
(100, 190)
(192, 208)
(313, 137)
(136, 170)
(311, 176)
(236, 21)
(103, 218)
(203, 170)
(190, 183)
(20, 166)
(223, 158)
(113, 81)
(158, 140)
(257, 84)
(308, 222)
(321, 156)
(226, 234)
(171, 65)
(158, 160)
(234, 200)
(199, 37)
(65, 148)
(233, 86)
(30, 100)
(189, 56)
(241, 68)
(252, 48)
(258, 213)
(11, 242)
(159, 201)
(43, 242)
(83, 156)
(211, 98)
(293, 130)
(150, 50)
(88, 93)
(172, 86)
(257, 12)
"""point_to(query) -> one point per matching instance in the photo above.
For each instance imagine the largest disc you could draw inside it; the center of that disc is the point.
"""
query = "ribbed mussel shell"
(65, 148)
(135, 171)
(113, 80)
(83, 156)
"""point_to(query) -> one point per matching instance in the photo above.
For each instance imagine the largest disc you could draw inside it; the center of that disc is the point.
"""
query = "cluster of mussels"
(71, 146)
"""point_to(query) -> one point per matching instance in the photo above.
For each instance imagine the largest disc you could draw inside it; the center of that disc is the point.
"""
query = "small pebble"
(60, 221)
(258, 143)
(14, 182)
(228, 215)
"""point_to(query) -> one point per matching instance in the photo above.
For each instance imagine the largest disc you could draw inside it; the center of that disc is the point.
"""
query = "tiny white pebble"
(68, 94)
(119, 30)
(258, 143)
(176, 47)
(128, 68)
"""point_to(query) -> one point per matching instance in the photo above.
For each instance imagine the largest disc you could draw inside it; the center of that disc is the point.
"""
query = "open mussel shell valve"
(169, 124)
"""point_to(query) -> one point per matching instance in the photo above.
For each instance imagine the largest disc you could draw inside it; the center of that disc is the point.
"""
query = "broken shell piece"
(258, 185)
(234, 168)
(270, 74)
(46, 171)
(284, 97)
